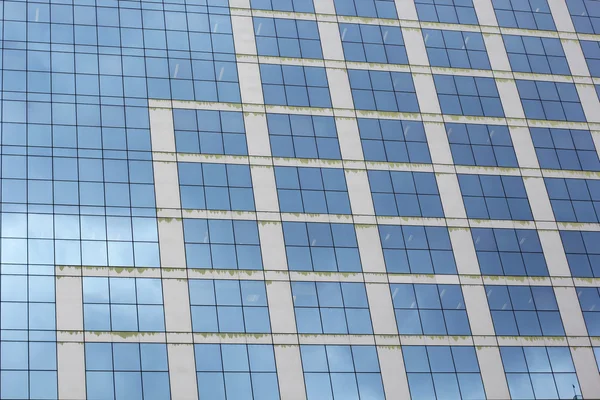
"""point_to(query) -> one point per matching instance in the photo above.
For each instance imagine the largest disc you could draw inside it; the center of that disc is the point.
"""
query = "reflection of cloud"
(14, 225)
(93, 227)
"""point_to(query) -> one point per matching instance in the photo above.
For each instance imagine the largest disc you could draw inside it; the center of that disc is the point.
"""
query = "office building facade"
(300, 199)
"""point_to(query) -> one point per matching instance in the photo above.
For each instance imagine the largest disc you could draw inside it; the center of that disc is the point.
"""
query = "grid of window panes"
(524, 310)
(482, 145)
(583, 253)
(447, 11)
(428, 309)
(468, 95)
(546, 100)
(27, 304)
(373, 43)
(282, 37)
(236, 371)
(540, 372)
(574, 200)
(303, 136)
(127, 371)
(524, 14)
(29, 369)
(338, 372)
(294, 85)
(589, 299)
(591, 52)
(438, 372)
(306, 6)
(123, 304)
(456, 49)
(495, 197)
(539, 55)
(366, 8)
(210, 132)
(78, 189)
(229, 306)
(570, 149)
(585, 15)
(90, 181)
(114, 197)
(117, 240)
(189, 53)
(312, 190)
(319, 246)
(405, 194)
(417, 249)
(28, 351)
(215, 186)
(512, 252)
(393, 140)
(331, 308)
(383, 91)
(221, 244)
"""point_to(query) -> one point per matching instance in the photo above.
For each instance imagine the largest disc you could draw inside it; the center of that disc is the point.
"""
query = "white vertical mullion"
(162, 131)
(393, 372)
(239, 3)
(586, 368)
(369, 246)
(272, 245)
(524, 148)
(492, 373)
(182, 371)
(554, 253)
(485, 12)
(289, 372)
(176, 297)
(496, 52)
(339, 88)
(70, 355)
(264, 188)
(250, 83)
(596, 138)
(281, 307)
(589, 101)
(69, 303)
(349, 138)
(71, 371)
(561, 15)
(541, 208)
(575, 57)
(406, 9)
(331, 42)
(570, 311)
(426, 93)
(359, 192)
(243, 35)
(257, 134)
(478, 311)
(324, 7)
(464, 251)
(509, 96)
(451, 196)
(248, 71)
(381, 308)
(437, 141)
(415, 46)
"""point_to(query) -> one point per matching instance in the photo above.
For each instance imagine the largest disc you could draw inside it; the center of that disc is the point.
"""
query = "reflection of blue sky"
(123, 304)
(546, 372)
(351, 371)
(114, 241)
